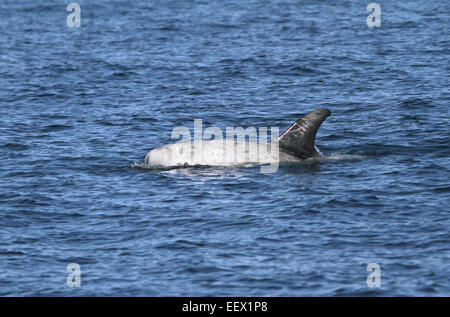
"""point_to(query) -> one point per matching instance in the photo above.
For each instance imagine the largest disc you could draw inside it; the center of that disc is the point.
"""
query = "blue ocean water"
(81, 107)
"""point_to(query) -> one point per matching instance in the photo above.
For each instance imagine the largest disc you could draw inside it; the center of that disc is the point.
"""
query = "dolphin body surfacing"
(293, 145)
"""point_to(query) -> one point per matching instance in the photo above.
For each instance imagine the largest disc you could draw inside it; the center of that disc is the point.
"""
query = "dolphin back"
(298, 140)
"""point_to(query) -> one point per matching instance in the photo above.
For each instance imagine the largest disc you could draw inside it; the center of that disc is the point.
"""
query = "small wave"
(15, 146)
(56, 127)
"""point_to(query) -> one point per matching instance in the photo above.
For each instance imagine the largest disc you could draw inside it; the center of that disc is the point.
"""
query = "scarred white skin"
(217, 153)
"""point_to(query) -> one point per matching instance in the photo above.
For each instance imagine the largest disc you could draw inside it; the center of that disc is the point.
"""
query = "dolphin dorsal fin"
(299, 138)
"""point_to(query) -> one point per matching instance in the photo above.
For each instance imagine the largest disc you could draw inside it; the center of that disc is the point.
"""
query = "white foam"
(341, 157)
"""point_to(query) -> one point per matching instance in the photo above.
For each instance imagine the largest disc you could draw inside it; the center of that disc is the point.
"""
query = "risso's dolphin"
(293, 145)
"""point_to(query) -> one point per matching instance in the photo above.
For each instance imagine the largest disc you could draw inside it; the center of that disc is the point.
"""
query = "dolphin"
(293, 145)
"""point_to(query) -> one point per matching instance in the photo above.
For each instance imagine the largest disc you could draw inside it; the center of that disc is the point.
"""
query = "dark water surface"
(80, 106)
